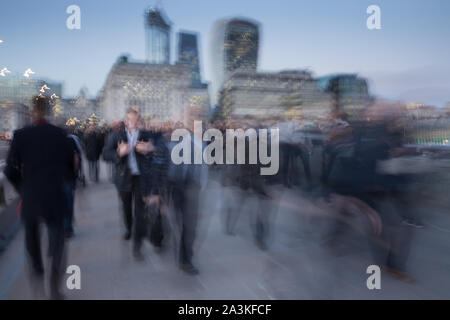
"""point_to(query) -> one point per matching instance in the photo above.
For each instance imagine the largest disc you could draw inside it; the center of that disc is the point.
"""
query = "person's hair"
(41, 106)
(132, 110)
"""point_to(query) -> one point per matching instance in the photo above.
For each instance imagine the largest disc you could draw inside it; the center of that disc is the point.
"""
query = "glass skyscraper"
(157, 36)
(188, 53)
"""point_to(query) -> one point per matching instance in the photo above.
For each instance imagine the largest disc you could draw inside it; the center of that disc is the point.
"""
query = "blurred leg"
(127, 206)
(56, 239)
(261, 221)
(33, 244)
(234, 204)
(186, 213)
(68, 219)
(140, 215)
(97, 168)
(91, 170)
(190, 224)
(178, 198)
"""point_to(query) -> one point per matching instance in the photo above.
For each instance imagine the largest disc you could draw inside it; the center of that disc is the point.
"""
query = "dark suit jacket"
(122, 176)
(39, 162)
(94, 145)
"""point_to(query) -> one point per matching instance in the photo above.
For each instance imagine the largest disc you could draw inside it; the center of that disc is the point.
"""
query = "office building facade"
(287, 94)
(349, 92)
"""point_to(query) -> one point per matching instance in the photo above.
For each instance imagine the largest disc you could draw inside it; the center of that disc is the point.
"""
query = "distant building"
(80, 107)
(13, 116)
(427, 125)
(157, 36)
(188, 53)
(349, 92)
(446, 109)
(21, 90)
(198, 95)
(161, 92)
(198, 103)
(289, 94)
(234, 45)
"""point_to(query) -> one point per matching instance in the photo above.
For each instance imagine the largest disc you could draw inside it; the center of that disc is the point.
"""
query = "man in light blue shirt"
(128, 149)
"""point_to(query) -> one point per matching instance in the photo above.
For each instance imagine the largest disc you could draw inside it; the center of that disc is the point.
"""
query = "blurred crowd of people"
(342, 167)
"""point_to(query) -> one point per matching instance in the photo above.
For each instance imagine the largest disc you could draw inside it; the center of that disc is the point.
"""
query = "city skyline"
(405, 60)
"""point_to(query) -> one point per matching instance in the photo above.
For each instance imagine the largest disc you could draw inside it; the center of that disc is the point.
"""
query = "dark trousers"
(290, 169)
(397, 237)
(56, 247)
(112, 172)
(133, 209)
(93, 170)
(185, 201)
(69, 190)
(260, 214)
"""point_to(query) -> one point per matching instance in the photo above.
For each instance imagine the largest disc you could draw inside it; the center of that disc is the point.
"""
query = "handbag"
(156, 233)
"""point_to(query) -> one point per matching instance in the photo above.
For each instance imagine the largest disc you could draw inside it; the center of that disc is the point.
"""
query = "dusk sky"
(407, 59)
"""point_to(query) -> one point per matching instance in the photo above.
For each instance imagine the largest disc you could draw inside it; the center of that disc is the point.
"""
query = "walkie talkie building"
(234, 45)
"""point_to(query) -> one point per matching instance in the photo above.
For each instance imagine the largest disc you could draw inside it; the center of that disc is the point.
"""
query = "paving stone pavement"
(296, 266)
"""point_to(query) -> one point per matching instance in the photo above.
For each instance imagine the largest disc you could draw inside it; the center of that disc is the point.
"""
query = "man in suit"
(94, 146)
(39, 162)
(186, 181)
(130, 149)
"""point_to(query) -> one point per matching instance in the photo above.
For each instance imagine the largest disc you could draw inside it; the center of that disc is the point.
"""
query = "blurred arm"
(110, 149)
(13, 169)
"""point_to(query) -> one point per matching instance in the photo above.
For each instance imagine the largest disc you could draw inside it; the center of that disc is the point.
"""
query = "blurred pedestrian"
(39, 160)
(155, 187)
(186, 181)
(128, 149)
(94, 146)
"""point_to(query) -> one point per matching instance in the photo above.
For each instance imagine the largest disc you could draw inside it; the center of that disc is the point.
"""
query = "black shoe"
(262, 245)
(138, 255)
(38, 271)
(158, 249)
(56, 295)
(229, 231)
(189, 269)
(68, 234)
(260, 240)
(55, 291)
(38, 286)
(127, 235)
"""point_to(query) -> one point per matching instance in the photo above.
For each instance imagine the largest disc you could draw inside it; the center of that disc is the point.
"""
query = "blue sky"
(407, 59)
